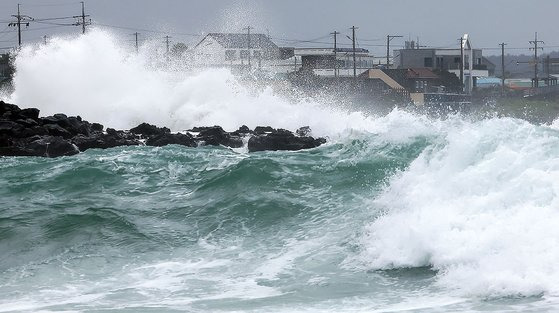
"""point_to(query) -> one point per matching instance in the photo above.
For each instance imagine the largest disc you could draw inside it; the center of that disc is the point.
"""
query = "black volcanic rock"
(24, 133)
(147, 130)
(96, 127)
(52, 147)
(28, 122)
(243, 131)
(260, 130)
(303, 131)
(172, 139)
(31, 113)
(57, 130)
(33, 131)
(42, 146)
(216, 136)
(10, 128)
(282, 140)
(111, 139)
(8, 108)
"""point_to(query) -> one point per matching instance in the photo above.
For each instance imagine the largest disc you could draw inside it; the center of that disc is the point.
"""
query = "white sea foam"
(481, 207)
(95, 77)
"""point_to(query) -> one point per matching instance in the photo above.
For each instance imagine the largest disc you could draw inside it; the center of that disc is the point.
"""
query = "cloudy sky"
(437, 23)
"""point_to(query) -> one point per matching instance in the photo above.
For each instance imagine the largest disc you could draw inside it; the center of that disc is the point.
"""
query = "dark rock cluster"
(24, 133)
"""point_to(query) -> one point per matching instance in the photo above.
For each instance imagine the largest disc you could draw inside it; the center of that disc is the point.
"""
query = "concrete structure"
(474, 64)
(6, 68)
(232, 50)
(420, 86)
(326, 62)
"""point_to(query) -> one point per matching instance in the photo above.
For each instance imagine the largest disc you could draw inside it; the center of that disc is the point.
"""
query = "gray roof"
(240, 41)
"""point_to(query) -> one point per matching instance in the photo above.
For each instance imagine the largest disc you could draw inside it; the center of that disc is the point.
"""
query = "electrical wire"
(148, 30)
(57, 24)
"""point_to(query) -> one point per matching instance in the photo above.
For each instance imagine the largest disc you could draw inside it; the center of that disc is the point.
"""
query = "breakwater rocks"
(24, 133)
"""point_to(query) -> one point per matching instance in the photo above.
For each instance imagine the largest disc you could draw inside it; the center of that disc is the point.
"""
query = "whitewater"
(397, 212)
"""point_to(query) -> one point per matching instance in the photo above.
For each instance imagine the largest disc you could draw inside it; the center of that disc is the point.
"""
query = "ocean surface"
(398, 212)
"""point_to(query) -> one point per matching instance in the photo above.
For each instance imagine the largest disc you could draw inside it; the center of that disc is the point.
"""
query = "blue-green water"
(454, 216)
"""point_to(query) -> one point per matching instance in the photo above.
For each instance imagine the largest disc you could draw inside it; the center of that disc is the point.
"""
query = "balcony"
(456, 66)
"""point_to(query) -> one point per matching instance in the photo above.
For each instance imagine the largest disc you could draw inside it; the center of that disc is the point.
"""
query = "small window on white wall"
(230, 55)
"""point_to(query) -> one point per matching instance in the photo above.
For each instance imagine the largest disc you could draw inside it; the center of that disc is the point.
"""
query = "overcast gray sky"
(436, 23)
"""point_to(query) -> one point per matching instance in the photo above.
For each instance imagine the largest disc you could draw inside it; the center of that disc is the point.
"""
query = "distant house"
(235, 50)
(474, 64)
(419, 85)
(327, 62)
(416, 79)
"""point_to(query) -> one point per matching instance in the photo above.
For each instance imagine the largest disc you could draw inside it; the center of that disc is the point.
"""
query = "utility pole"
(335, 33)
(548, 67)
(535, 43)
(260, 53)
(137, 47)
(167, 42)
(462, 62)
(20, 18)
(503, 66)
(82, 17)
(248, 43)
(354, 60)
(388, 39)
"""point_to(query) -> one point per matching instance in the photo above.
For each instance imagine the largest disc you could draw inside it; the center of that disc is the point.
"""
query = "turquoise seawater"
(143, 229)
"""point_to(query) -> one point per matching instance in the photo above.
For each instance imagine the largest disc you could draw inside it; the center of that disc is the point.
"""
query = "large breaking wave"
(476, 200)
(480, 205)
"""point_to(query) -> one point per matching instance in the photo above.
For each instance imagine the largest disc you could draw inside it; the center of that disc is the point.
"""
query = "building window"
(256, 54)
(230, 55)
(457, 60)
(428, 62)
(244, 54)
(440, 63)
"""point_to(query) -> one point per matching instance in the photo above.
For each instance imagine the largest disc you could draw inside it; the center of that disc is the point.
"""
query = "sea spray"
(94, 77)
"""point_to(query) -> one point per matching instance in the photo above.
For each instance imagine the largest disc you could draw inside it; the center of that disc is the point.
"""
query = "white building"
(327, 62)
(473, 63)
(235, 50)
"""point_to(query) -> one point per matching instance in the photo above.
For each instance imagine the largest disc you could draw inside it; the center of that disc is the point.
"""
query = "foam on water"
(481, 207)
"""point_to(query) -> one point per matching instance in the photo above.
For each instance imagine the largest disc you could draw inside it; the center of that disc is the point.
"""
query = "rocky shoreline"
(24, 133)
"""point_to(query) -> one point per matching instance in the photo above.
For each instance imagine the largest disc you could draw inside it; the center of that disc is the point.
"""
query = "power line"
(148, 30)
(52, 18)
(52, 4)
(57, 24)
